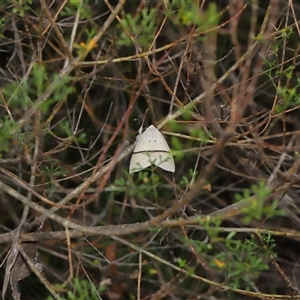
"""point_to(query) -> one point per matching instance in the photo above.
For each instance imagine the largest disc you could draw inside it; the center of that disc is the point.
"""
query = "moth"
(151, 148)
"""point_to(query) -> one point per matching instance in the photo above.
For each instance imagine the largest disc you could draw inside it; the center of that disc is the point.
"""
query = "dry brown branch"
(78, 78)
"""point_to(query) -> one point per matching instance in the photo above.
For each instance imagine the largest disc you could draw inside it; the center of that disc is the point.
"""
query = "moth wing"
(139, 161)
(164, 160)
(151, 140)
(151, 148)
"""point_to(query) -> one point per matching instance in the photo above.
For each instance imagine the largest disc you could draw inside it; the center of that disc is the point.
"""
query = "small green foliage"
(81, 289)
(144, 186)
(20, 7)
(119, 183)
(2, 26)
(186, 114)
(39, 78)
(269, 243)
(272, 210)
(16, 95)
(256, 208)
(174, 126)
(52, 168)
(246, 194)
(70, 9)
(288, 72)
(62, 90)
(290, 96)
(186, 180)
(287, 32)
(259, 38)
(74, 3)
(9, 131)
(65, 127)
(212, 16)
(89, 42)
(187, 13)
(181, 262)
(142, 27)
(243, 260)
(199, 133)
(215, 224)
(177, 144)
(90, 33)
(81, 137)
(20, 95)
(261, 191)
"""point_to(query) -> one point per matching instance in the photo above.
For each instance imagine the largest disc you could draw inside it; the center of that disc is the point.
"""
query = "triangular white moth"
(151, 148)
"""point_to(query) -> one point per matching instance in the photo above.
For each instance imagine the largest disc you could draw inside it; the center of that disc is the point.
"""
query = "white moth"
(151, 148)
